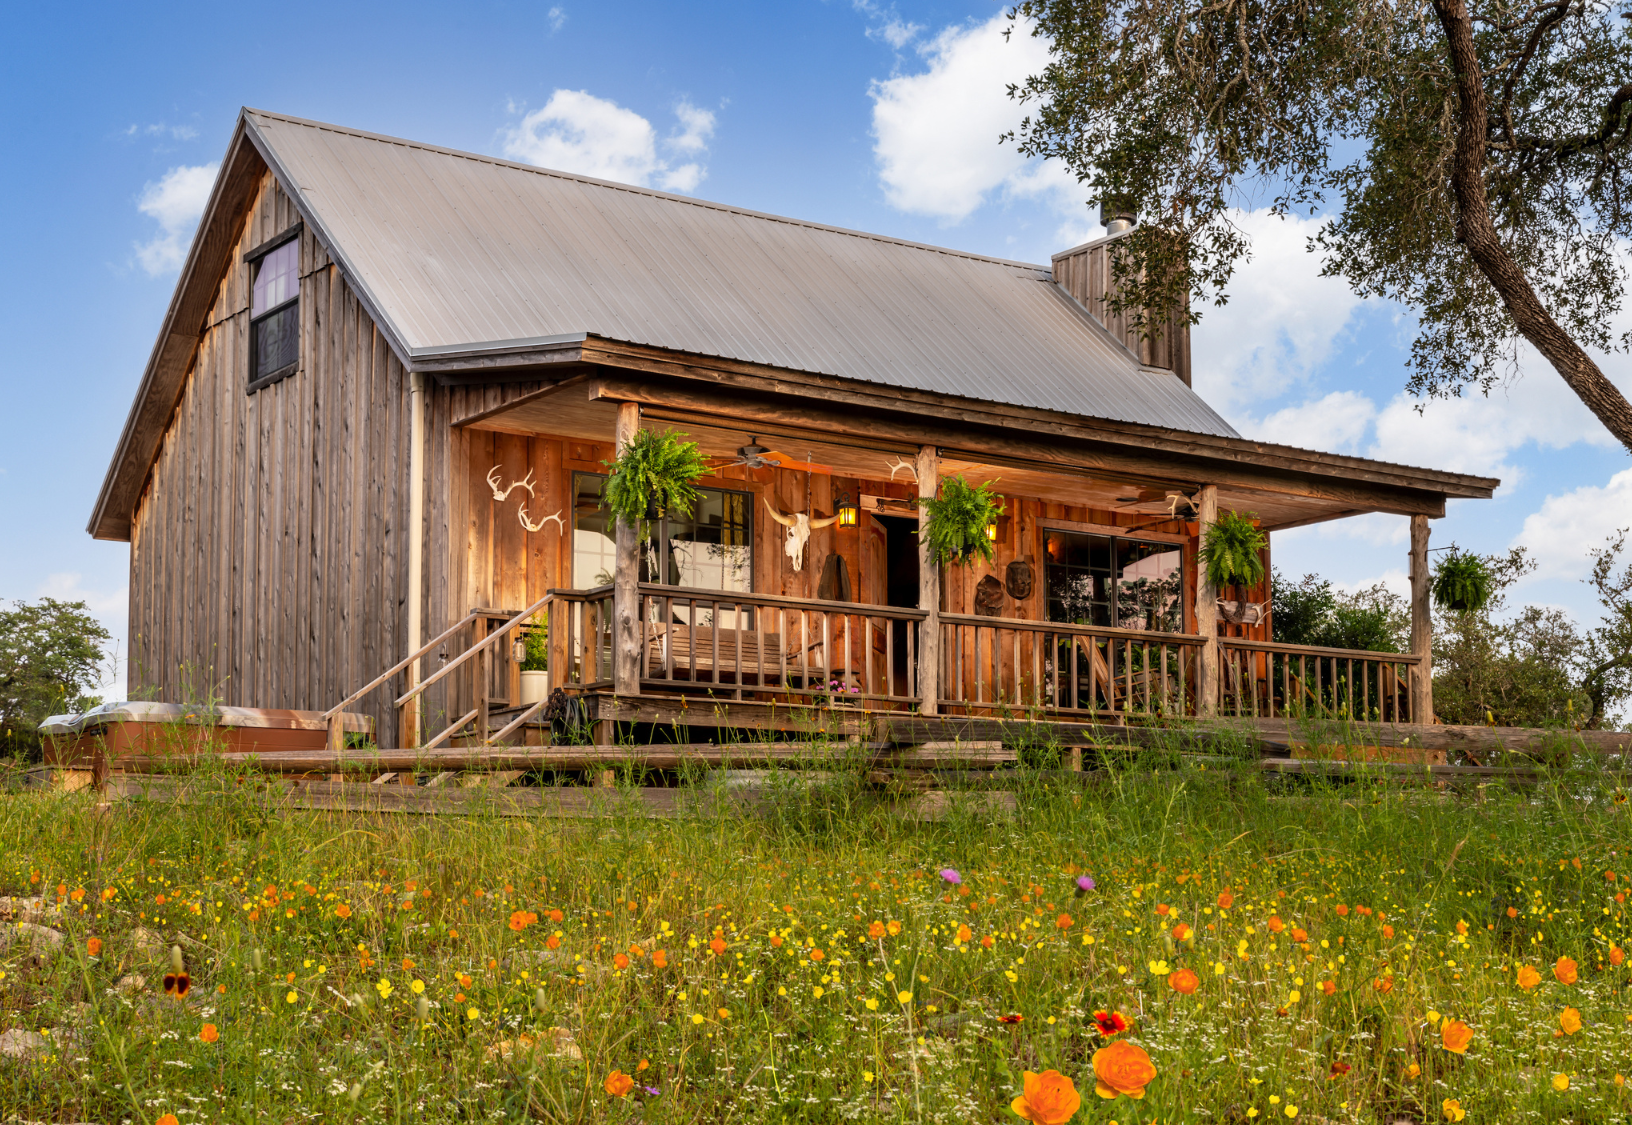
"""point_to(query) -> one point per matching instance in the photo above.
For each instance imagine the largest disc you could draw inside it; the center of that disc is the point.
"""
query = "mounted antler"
(900, 463)
(539, 526)
(799, 526)
(493, 479)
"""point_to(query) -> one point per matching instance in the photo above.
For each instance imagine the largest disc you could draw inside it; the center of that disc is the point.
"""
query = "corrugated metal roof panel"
(455, 250)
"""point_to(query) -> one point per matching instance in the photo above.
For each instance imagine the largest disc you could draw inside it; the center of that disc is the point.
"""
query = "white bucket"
(535, 686)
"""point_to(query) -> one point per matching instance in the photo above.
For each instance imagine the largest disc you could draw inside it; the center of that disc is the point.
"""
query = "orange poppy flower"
(342, 911)
(618, 1084)
(1328, 986)
(987, 942)
(1183, 980)
(93, 947)
(716, 945)
(1383, 984)
(1565, 970)
(1225, 899)
(1299, 935)
(1275, 924)
(166, 1119)
(1110, 1023)
(964, 934)
(1064, 921)
(817, 955)
(552, 942)
(1456, 1036)
(660, 959)
(556, 916)
(620, 962)
(1049, 1098)
(892, 928)
(876, 930)
(1616, 955)
(209, 1033)
(1342, 911)
(521, 919)
(1162, 908)
(1122, 1068)
(1528, 978)
(1388, 933)
(1569, 1021)
(1181, 932)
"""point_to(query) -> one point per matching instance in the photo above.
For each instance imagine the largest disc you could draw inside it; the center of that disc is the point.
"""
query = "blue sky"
(879, 117)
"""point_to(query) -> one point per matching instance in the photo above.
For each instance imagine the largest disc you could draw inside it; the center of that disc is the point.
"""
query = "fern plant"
(1462, 582)
(956, 523)
(1233, 551)
(654, 472)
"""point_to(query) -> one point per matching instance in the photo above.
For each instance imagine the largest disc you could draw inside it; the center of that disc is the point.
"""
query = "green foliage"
(1461, 582)
(956, 525)
(1179, 110)
(51, 654)
(537, 640)
(1310, 612)
(1232, 550)
(653, 473)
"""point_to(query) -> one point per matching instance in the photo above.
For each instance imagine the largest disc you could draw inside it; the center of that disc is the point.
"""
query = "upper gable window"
(274, 311)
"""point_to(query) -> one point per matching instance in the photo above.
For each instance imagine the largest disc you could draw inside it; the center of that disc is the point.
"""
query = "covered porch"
(800, 582)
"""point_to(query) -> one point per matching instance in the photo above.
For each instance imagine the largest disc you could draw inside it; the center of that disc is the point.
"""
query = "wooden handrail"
(1312, 650)
(490, 639)
(1146, 636)
(731, 597)
(380, 679)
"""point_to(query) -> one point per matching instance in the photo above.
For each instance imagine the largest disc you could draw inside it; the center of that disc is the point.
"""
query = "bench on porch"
(696, 651)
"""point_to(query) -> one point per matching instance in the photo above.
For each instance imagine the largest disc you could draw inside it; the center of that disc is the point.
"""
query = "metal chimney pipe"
(1116, 217)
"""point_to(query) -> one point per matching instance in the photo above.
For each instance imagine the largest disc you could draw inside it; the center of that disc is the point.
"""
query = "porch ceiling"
(569, 415)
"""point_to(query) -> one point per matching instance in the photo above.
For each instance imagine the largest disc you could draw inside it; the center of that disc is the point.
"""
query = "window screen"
(1105, 580)
(710, 551)
(274, 310)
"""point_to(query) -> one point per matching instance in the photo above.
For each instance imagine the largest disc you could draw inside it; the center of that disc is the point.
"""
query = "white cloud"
(557, 17)
(887, 25)
(1333, 424)
(1280, 326)
(175, 132)
(176, 202)
(1562, 532)
(936, 132)
(578, 132)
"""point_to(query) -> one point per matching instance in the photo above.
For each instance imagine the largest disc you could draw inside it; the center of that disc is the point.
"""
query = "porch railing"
(1262, 679)
(992, 662)
(743, 644)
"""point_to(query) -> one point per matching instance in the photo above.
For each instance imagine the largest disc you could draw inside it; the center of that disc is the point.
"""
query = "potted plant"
(652, 476)
(1232, 553)
(957, 523)
(1461, 582)
(535, 664)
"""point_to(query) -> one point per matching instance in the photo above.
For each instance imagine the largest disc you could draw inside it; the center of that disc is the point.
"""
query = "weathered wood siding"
(267, 557)
(1086, 274)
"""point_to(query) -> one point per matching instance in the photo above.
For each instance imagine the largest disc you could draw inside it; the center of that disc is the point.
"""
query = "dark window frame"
(660, 531)
(259, 380)
(1177, 544)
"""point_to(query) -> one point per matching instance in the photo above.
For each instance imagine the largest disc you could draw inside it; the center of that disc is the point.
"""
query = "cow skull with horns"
(799, 526)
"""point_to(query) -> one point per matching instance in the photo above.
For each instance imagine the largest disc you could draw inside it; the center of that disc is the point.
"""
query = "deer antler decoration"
(493, 479)
(539, 526)
(900, 463)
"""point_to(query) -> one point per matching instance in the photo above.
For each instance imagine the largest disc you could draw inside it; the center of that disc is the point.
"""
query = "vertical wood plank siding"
(1085, 273)
(266, 568)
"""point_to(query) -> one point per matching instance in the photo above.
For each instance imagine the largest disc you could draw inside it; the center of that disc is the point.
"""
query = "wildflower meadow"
(1182, 944)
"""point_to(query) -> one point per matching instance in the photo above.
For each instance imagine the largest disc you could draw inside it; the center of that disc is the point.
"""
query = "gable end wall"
(267, 566)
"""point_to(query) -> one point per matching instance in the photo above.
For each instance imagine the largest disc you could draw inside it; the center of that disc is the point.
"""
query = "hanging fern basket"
(956, 523)
(1462, 583)
(652, 477)
(1233, 551)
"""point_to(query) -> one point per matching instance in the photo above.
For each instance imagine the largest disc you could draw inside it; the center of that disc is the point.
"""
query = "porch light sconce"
(991, 531)
(848, 512)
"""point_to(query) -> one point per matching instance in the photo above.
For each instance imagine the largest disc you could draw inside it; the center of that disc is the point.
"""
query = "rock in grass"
(34, 909)
(19, 1044)
(42, 942)
(130, 984)
(149, 945)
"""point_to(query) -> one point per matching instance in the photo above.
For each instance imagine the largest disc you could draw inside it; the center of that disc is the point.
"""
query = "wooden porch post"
(626, 654)
(1422, 625)
(1207, 616)
(929, 591)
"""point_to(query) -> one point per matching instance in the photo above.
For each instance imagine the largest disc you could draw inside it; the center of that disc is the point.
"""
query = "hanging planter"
(1461, 582)
(652, 477)
(955, 524)
(1232, 555)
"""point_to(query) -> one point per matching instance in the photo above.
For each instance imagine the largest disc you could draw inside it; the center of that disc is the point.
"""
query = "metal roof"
(457, 252)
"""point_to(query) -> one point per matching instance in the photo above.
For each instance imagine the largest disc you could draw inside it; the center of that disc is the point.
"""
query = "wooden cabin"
(367, 449)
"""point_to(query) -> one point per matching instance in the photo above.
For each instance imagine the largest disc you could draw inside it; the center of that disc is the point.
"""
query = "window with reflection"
(1113, 581)
(274, 314)
(712, 550)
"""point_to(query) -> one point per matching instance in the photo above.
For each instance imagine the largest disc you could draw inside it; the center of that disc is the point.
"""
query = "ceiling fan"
(756, 456)
(1151, 501)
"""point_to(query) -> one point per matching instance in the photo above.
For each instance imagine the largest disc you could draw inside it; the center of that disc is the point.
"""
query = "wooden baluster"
(912, 662)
